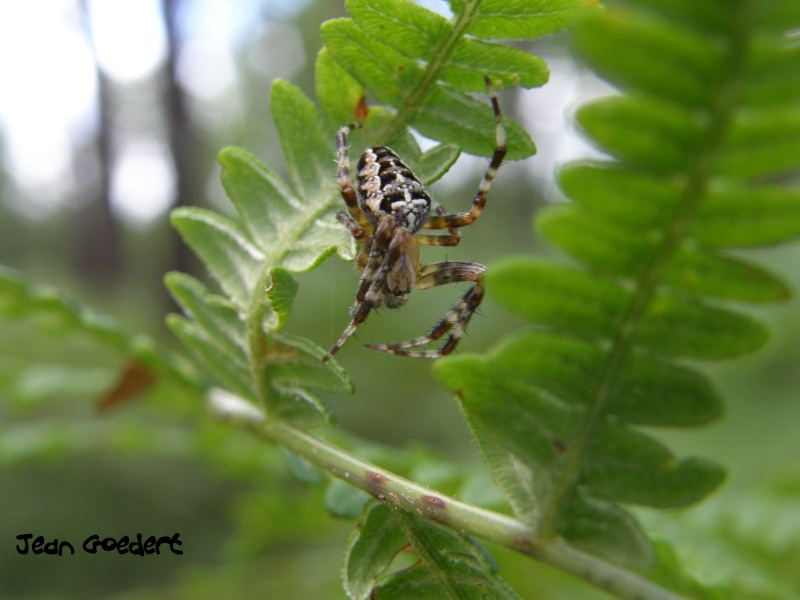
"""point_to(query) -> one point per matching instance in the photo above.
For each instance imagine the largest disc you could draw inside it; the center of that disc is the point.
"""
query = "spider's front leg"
(457, 318)
(462, 219)
(385, 249)
(353, 219)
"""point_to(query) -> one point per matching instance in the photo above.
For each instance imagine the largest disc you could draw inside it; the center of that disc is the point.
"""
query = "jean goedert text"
(94, 544)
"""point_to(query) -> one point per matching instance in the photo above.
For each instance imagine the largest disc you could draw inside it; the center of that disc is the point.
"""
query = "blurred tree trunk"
(98, 254)
(185, 147)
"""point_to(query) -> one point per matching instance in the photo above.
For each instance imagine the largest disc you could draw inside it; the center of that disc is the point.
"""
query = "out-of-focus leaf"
(699, 142)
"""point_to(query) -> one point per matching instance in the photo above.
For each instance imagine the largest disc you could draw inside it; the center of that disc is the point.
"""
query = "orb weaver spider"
(385, 211)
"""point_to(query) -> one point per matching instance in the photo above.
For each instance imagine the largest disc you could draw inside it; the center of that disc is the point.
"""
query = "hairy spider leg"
(453, 237)
(355, 222)
(456, 319)
(388, 244)
(466, 218)
(389, 256)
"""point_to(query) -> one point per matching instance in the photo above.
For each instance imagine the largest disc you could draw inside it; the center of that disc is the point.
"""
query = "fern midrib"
(445, 584)
(721, 109)
(431, 73)
(256, 336)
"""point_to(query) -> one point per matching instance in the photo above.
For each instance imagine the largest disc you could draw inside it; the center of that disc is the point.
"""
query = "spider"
(386, 210)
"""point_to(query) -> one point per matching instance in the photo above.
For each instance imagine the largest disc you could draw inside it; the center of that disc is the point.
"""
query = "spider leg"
(457, 318)
(452, 238)
(385, 248)
(345, 185)
(356, 230)
(465, 218)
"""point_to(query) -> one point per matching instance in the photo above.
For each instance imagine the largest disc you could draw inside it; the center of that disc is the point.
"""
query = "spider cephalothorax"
(385, 211)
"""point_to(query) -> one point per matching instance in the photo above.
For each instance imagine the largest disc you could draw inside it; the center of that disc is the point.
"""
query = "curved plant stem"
(400, 493)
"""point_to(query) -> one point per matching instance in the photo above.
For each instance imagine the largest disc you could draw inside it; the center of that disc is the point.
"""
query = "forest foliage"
(701, 142)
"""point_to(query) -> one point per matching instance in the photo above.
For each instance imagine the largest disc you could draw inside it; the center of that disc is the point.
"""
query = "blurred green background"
(111, 114)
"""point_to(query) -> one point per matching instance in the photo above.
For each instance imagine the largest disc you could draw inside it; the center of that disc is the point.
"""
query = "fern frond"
(411, 59)
(137, 358)
(451, 565)
(423, 65)
(280, 229)
(706, 122)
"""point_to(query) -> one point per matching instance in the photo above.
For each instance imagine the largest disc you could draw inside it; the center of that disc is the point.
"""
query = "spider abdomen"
(385, 185)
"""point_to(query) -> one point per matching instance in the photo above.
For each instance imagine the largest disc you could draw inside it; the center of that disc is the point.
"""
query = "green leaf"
(620, 465)
(306, 149)
(610, 249)
(339, 95)
(620, 195)
(705, 17)
(435, 162)
(623, 465)
(261, 198)
(219, 321)
(371, 549)
(279, 230)
(422, 64)
(418, 33)
(451, 565)
(652, 135)
(529, 424)
(52, 311)
(604, 529)
(298, 234)
(409, 28)
(732, 216)
(752, 534)
(602, 245)
(213, 359)
(384, 71)
(679, 328)
(701, 144)
(292, 367)
(648, 392)
(558, 297)
(453, 116)
(720, 276)
(761, 143)
(509, 472)
(509, 67)
(498, 19)
(281, 290)
(687, 61)
(343, 500)
(772, 73)
(228, 254)
(80, 334)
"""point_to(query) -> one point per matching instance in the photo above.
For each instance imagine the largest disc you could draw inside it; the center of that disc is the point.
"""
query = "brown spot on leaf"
(134, 380)
(362, 110)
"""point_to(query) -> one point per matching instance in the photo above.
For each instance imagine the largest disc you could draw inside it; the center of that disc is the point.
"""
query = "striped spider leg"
(389, 214)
